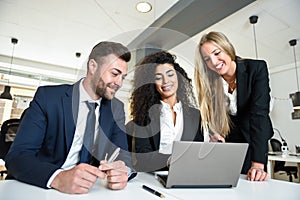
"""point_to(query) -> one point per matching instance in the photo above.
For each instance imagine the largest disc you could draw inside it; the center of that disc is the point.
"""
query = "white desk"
(271, 189)
(288, 158)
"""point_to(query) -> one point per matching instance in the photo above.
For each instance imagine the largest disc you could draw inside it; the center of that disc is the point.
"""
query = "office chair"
(7, 135)
(280, 165)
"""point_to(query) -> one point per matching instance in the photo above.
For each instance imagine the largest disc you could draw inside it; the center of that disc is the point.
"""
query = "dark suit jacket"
(146, 139)
(47, 130)
(253, 99)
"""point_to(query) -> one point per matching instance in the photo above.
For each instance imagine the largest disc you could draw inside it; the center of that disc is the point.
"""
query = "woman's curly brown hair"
(145, 95)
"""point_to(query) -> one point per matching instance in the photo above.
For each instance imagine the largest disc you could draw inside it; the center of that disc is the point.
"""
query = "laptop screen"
(203, 164)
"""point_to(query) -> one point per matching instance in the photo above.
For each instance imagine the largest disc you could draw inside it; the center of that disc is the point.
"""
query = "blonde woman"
(233, 95)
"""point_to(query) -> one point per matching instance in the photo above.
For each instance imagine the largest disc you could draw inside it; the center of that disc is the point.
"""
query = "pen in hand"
(114, 155)
(153, 191)
(112, 158)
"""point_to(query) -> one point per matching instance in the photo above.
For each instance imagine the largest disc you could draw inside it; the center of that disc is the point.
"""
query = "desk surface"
(271, 189)
(287, 158)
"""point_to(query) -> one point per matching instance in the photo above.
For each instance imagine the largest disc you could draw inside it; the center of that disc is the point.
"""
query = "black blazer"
(253, 101)
(144, 141)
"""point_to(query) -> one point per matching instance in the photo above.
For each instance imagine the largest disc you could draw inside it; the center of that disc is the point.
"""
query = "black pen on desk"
(153, 191)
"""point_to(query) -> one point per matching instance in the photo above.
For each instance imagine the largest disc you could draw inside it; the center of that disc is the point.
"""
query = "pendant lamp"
(6, 93)
(295, 96)
(253, 20)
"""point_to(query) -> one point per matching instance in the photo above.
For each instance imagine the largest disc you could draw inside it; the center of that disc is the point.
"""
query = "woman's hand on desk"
(77, 180)
(257, 173)
(117, 174)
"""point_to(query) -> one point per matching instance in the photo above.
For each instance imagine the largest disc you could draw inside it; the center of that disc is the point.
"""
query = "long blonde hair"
(213, 103)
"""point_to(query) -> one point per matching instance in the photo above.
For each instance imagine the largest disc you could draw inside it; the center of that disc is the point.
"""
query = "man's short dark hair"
(106, 48)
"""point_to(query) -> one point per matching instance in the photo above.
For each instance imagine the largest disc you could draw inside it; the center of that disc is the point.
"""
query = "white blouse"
(232, 98)
(169, 132)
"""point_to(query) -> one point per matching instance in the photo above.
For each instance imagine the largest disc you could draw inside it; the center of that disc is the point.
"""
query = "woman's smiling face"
(166, 81)
(215, 58)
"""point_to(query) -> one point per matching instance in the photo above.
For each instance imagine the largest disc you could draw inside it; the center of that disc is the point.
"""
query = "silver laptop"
(204, 164)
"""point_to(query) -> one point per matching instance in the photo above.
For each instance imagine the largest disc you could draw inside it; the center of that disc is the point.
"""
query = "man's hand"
(116, 172)
(77, 180)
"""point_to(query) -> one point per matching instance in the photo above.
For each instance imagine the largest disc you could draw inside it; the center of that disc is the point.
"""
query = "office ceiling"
(50, 32)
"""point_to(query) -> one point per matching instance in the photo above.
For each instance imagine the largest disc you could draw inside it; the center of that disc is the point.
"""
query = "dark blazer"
(144, 141)
(252, 121)
(47, 129)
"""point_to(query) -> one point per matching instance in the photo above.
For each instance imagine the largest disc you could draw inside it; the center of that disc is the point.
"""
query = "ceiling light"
(143, 7)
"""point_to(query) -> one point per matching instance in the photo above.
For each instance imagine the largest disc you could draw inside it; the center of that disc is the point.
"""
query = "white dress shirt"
(74, 153)
(168, 131)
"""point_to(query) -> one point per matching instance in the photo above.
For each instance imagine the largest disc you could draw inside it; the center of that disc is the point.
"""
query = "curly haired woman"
(163, 110)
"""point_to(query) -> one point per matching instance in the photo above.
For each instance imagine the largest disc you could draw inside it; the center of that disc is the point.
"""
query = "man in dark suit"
(46, 151)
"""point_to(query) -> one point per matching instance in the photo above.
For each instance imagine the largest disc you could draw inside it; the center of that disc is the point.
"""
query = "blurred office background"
(55, 38)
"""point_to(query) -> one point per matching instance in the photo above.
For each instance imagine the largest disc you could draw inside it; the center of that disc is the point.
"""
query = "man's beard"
(103, 92)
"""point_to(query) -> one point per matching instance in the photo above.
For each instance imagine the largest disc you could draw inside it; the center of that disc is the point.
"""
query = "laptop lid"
(205, 164)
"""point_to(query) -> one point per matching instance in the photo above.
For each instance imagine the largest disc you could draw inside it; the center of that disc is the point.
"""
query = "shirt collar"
(225, 87)
(176, 107)
(84, 96)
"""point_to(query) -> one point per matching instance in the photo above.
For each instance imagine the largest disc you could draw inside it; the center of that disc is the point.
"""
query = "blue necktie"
(88, 138)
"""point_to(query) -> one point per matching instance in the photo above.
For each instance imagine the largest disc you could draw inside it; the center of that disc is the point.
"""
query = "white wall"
(283, 82)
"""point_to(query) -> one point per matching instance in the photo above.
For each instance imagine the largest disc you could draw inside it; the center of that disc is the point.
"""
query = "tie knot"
(91, 105)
